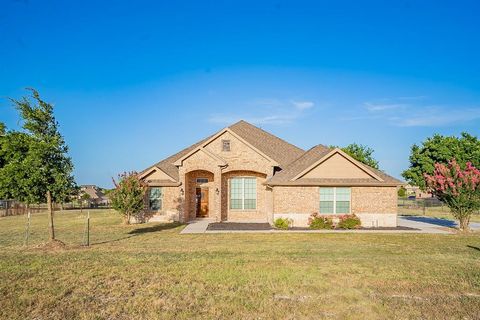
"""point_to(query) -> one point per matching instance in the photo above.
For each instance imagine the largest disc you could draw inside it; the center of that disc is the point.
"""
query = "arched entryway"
(199, 194)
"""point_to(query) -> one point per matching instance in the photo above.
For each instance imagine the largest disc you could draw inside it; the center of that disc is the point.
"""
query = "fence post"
(27, 229)
(424, 204)
(86, 234)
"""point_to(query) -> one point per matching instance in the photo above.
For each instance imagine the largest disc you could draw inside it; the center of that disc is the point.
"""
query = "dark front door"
(202, 202)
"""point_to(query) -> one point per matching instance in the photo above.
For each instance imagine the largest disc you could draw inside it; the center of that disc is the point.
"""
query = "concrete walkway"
(197, 226)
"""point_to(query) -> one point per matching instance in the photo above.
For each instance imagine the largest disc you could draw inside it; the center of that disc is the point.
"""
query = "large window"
(335, 200)
(243, 193)
(155, 199)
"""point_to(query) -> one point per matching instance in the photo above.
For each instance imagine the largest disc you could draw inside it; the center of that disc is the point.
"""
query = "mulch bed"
(238, 226)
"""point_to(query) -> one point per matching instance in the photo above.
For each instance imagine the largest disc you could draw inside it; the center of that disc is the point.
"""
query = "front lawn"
(151, 272)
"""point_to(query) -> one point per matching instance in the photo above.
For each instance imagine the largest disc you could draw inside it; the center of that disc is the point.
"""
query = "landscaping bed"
(238, 226)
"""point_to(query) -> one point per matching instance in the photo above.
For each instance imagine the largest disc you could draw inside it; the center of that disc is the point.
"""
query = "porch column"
(217, 188)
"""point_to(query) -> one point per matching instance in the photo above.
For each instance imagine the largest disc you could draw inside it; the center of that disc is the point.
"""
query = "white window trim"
(243, 193)
(335, 201)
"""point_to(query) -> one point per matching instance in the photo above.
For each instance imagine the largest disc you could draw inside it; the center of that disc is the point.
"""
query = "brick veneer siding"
(258, 215)
(240, 156)
(295, 199)
(374, 200)
(171, 204)
(376, 206)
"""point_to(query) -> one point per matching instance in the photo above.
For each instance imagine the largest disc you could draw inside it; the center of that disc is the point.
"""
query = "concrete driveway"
(431, 225)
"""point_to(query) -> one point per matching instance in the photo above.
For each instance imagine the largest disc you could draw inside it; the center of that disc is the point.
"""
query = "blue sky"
(135, 81)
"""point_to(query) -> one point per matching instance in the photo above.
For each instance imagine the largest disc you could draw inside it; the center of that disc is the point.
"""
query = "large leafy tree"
(441, 149)
(361, 153)
(37, 167)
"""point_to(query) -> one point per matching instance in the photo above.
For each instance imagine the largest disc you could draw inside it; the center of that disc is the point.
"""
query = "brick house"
(243, 173)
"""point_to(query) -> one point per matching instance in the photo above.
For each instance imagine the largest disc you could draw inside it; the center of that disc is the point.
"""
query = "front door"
(202, 202)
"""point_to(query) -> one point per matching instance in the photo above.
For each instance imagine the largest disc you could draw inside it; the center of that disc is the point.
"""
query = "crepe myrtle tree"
(458, 188)
(128, 197)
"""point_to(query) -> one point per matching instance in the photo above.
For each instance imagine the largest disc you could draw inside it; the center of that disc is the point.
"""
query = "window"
(225, 145)
(202, 180)
(155, 199)
(335, 200)
(243, 193)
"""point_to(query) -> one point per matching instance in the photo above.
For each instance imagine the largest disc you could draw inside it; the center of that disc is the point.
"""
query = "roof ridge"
(264, 131)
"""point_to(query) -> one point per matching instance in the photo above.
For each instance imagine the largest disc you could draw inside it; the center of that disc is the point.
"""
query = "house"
(96, 197)
(245, 174)
(416, 192)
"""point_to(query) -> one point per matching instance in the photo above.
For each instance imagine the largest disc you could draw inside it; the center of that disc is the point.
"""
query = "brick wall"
(374, 200)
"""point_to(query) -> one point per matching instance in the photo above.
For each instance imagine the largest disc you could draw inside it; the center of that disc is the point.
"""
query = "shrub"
(349, 222)
(318, 222)
(283, 223)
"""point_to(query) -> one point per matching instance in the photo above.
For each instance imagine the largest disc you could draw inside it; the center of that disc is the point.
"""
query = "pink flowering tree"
(458, 189)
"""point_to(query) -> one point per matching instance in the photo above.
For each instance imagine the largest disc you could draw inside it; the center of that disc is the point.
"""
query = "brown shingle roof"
(285, 176)
(277, 149)
(292, 159)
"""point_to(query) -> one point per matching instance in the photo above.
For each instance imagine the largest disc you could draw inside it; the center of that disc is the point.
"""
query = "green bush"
(349, 222)
(318, 222)
(282, 223)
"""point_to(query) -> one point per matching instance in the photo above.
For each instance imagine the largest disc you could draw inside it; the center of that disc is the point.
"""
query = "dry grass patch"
(150, 271)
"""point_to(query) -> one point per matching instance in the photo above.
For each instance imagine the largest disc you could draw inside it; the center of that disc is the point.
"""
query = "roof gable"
(216, 136)
(337, 165)
(155, 173)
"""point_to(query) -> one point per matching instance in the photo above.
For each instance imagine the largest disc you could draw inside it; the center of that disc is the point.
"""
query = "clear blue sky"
(136, 81)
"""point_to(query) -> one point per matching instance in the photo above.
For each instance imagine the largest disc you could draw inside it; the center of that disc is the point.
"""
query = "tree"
(38, 168)
(361, 153)
(459, 189)
(402, 192)
(84, 197)
(441, 149)
(129, 195)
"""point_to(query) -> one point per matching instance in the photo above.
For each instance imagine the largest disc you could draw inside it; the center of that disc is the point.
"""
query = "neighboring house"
(97, 197)
(414, 191)
(243, 173)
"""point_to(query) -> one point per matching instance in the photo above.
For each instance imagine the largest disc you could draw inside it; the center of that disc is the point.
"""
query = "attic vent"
(225, 145)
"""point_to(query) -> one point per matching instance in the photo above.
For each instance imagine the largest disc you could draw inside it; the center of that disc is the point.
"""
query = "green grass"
(151, 272)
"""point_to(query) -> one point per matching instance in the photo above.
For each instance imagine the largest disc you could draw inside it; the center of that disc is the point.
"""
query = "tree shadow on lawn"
(472, 247)
(431, 220)
(157, 228)
(139, 231)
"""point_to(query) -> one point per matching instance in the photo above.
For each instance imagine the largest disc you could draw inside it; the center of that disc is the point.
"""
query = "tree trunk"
(50, 215)
(463, 223)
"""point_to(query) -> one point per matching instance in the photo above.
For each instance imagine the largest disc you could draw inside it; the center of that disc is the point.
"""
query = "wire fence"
(426, 206)
(15, 208)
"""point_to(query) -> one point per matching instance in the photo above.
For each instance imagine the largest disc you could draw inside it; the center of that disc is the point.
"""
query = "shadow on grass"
(113, 240)
(474, 248)
(432, 220)
(157, 228)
